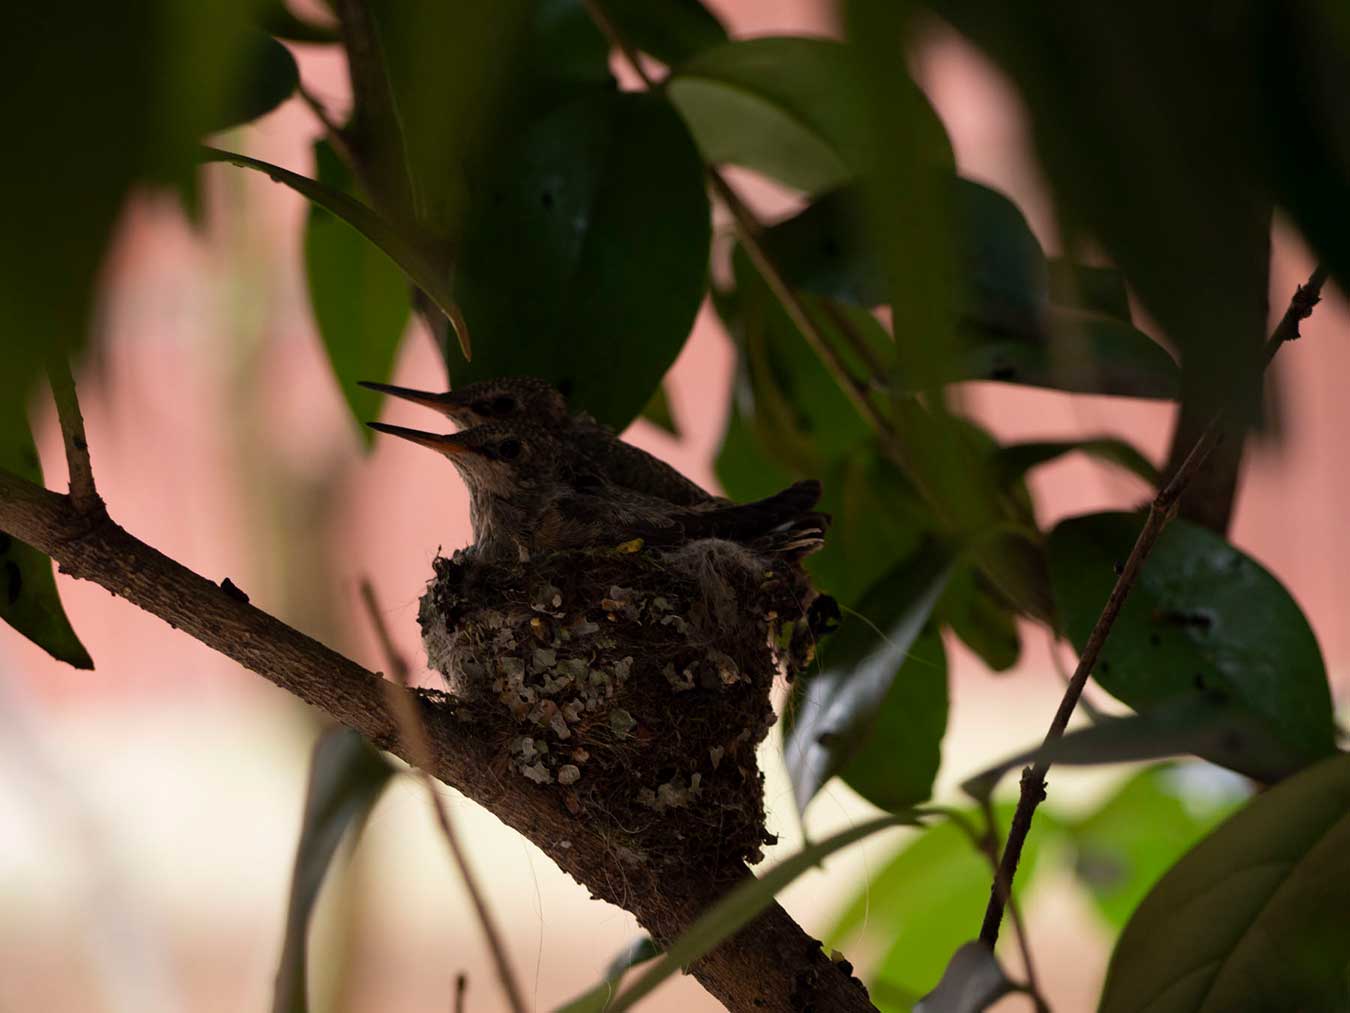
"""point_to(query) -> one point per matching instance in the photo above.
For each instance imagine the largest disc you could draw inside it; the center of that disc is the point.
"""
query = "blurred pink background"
(148, 809)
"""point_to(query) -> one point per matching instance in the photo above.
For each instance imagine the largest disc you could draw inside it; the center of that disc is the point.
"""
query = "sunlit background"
(149, 809)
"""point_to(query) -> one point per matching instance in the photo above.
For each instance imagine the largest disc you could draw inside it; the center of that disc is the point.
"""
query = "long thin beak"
(437, 402)
(442, 444)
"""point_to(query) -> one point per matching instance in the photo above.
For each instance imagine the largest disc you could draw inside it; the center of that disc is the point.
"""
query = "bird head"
(504, 399)
(495, 458)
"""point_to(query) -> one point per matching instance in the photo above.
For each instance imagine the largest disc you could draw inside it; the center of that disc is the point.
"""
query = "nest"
(634, 684)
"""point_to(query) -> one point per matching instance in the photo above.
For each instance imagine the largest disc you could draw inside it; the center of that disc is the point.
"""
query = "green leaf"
(787, 107)
(1196, 207)
(597, 999)
(580, 276)
(1196, 725)
(981, 617)
(1099, 290)
(1203, 618)
(422, 267)
(434, 85)
(360, 298)
(744, 468)
(1085, 354)
(1254, 916)
(742, 904)
(670, 30)
(29, 601)
(1014, 460)
(866, 684)
(878, 521)
(658, 412)
(921, 904)
(972, 982)
(896, 762)
(567, 56)
(1125, 845)
(268, 77)
(1014, 327)
(801, 414)
(346, 778)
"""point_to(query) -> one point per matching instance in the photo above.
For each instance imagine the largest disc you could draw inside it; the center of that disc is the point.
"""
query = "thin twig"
(403, 709)
(1160, 512)
(986, 843)
(83, 493)
(337, 140)
(991, 848)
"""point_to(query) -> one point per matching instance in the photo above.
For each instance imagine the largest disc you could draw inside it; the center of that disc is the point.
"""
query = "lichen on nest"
(633, 682)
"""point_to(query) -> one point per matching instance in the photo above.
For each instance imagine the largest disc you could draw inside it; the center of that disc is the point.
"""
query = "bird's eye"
(483, 408)
(508, 450)
(503, 405)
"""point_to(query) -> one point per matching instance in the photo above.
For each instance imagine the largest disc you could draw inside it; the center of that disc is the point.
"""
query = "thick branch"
(771, 965)
(1161, 511)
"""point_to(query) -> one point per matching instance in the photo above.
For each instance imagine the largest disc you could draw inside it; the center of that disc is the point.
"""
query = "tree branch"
(770, 965)
(1160, 512)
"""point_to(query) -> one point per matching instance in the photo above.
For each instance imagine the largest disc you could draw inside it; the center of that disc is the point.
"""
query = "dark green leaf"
(744, 467)
(1125, 845)
(346, 778)
(359, 296)
(1014, 460)
(1085, 354)
(878, 521)
(434, 85)
(1014, 327)
(787, 107)
(981, 617)
(567, 54)
(895, 763)
(1202, 619)
(1099, 290)
(972, 982)
(742, 904)
(920, 905)
(864, 670)
(1195, 725)
(658, 412)
(268, 76)
(28, 598)
(579, 276)
(801, 414)
(1253, 917)
(1194, 207)
(670, 30)
(422, 267)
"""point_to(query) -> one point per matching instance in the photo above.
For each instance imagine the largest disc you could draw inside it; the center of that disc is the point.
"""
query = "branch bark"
(1161, 511)
(771, 965)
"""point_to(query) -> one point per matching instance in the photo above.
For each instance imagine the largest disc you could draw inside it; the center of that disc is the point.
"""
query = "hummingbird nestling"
(529, 492)
(530, 399)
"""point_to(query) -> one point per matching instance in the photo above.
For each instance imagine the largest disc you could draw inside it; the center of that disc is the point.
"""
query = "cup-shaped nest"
(635, 684)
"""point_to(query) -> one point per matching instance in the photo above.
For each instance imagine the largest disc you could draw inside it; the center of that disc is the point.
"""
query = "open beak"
(448, 444)
(437, 402)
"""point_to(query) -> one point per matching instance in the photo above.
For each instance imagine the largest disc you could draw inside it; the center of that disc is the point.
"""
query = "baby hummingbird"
(532, 400)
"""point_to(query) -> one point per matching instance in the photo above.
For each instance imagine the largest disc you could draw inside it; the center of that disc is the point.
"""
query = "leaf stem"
(1161, 511)
(403, 710)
